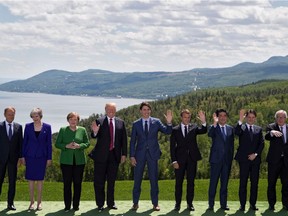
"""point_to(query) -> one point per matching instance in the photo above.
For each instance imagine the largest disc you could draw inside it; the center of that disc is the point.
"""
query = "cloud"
(140, 35)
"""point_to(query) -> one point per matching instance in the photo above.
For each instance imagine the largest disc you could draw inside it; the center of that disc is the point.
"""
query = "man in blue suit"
(221, 156)
(144, 148)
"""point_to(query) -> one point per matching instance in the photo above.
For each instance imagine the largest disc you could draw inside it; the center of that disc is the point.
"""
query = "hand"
(215, 119)
(94, 127)
(133, 161)
(70, 146)
(169, 116)
(76, 145)
(201, 116)
(242, 115)
(251, 157)
(276, 133)
(123, 159)
(48, 163)
(175, 165)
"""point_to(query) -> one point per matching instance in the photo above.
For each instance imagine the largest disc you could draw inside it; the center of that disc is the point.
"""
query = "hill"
(94, 82)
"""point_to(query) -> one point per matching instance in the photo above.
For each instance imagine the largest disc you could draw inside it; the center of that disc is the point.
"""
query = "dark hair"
(145, 104)
(251, 111)
(221, 110)
(186, 111)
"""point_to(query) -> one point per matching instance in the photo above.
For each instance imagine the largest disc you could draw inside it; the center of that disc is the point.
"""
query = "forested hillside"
(265, 97)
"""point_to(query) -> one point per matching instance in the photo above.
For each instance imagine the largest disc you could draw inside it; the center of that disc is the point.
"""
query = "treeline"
(266, 97)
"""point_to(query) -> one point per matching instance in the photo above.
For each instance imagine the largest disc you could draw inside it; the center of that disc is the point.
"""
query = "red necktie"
(111, 146)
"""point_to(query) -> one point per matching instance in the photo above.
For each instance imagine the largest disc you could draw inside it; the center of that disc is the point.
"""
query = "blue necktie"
(223, 133)
(10, 131)
(146, 128)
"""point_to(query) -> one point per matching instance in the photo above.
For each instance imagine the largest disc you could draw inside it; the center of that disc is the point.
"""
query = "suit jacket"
(100, 152)
(183, 147)
(10, 149)
(37, 147)
(277, 146)
(66, 136)
(139, 142)
(221, 149)
(247, 145)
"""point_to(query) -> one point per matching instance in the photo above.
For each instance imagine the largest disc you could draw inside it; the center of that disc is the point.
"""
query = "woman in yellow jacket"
(72, 140)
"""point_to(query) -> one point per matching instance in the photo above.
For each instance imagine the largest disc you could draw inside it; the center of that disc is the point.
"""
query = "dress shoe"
(271, 208)
(254, 208)
(210, 208)
(31, 206)
(100, 208)
(177, 208)
(225, 208)
(66, 209)
(190, 208)
(156, 208)
(134, 207)
(11, 207)
(242, 208)
(76, 208)
(113, 207)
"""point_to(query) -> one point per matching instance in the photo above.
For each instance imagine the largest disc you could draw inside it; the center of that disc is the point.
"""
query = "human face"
(222, 118)
(36, 118)
(186, 118)
(73, 121)
(251, 118)
(9, 115)
(145, 112)
(110, 111)
(281, 119)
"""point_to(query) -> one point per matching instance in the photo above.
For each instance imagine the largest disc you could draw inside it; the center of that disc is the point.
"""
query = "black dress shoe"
(76, 208)
(225, 208)
(242, 208)
(254, 208)
(66, 209)
(113, 207)
(190, 208)
(177, 208)
(100, 208)
(135, 207)
(11, 207)
(271, 208)
(210, 208)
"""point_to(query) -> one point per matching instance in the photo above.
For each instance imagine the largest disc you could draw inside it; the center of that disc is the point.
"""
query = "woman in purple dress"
(37, 153)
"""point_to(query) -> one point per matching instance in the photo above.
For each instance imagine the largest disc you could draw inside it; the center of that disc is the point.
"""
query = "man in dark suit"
(109, 151)
(221, 156)
(11, 138)
(144, 148)
(251, 144)
(185, 153)
(277, 158)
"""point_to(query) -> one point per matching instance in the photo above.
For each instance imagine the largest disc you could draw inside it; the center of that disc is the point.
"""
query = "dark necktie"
(10, 131)
(283, 135)
(223, 133)
(251, 131)
(111, 146)
(185, 130)
(146, 128)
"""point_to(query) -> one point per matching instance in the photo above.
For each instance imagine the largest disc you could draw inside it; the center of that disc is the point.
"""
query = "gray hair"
(280, 112)
(37, 111)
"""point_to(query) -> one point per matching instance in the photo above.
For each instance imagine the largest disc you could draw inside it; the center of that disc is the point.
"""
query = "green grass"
(53, 191)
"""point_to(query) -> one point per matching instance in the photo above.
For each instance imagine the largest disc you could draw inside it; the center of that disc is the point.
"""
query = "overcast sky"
(128, 36)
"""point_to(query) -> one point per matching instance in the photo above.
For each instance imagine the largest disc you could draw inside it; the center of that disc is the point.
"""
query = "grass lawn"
(53, 191)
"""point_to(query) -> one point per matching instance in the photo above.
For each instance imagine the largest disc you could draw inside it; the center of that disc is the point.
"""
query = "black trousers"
(12, 175)
(274, 171)
(72, 174)
(189, 167)
(102, 172)
(248, 169)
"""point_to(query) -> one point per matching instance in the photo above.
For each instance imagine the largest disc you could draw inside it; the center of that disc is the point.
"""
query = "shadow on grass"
(21, 213)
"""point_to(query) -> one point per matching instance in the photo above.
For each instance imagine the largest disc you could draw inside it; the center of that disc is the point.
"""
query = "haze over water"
(56, 107)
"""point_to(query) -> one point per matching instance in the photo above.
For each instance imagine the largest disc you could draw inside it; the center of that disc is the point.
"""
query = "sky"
(133, 36)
